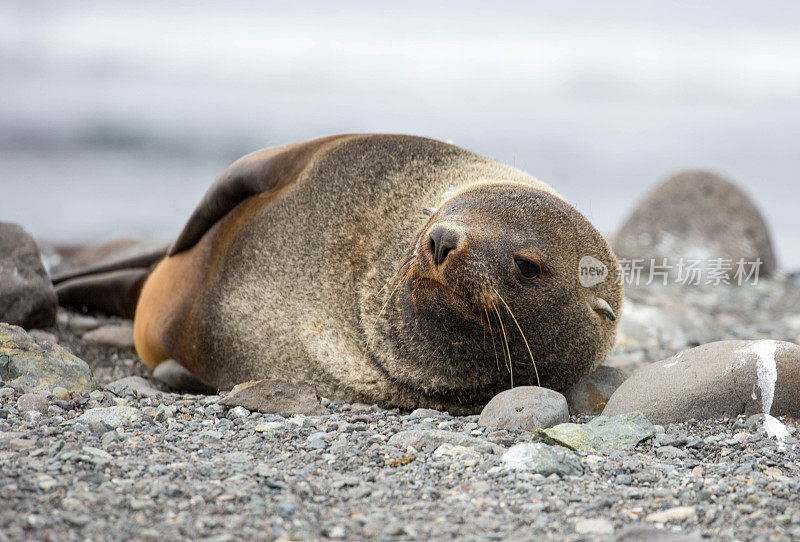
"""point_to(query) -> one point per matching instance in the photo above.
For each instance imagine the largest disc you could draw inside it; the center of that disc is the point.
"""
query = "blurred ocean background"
(116, 116)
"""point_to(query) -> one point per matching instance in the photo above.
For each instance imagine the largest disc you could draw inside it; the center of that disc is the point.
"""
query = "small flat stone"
(116, 336)
(423, 413)
(525, 407)
(433, 438)
(271, 427)
(32, 416)
(115, 416)
(110, 437)
(210, 438)
(678, 513)
(80, 323)
(671, 440)
(644, 533)
(602, 433)
(543, 459)
(453, 451)
(96, 455)
(45, 482)
(133, 385)
(594, 526)
(61, 393)
(275, 396)
(33, 401)
(238, 412)
(589, 395)
(670, 452)
(21, 444)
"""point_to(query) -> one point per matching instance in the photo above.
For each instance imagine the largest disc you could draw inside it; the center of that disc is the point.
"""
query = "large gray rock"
(715, 380)
(591, 393)
(274, 397)
(27, 297)
(31, 365)
(698, 215)
(525, 407)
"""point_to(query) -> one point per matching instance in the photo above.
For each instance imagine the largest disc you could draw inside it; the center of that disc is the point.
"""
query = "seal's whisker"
(393, 277)
(386, 304)
(405, 279)
(491, 334)
(505, 341)
(533, 361)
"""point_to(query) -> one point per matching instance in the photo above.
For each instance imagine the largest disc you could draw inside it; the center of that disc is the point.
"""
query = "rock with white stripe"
(716, 380)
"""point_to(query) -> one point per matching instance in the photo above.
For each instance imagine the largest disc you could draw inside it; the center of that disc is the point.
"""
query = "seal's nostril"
(443, 241)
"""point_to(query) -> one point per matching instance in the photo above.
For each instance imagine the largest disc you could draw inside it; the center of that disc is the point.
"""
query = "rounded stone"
(115, 336)
(525, 407)
(697, 215)
(590, 394)
(717, 380)
(33, 401)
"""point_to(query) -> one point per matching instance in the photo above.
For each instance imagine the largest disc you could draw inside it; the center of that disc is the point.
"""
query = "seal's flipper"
(140, 261)
(256, 173)
(113, 292)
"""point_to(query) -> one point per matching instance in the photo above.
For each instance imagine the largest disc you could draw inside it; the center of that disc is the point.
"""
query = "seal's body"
(316, 262)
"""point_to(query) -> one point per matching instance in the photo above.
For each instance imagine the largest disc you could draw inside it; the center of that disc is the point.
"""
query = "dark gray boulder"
(696, 215)
(590, 394)
(27, 297)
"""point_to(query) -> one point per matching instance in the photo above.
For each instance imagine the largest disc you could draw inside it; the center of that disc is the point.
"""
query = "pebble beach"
(139, 461)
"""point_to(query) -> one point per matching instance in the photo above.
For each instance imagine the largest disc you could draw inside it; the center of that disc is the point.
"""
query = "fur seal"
(384, 268)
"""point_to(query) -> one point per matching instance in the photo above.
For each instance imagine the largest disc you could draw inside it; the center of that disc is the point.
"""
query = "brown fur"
(283, 278)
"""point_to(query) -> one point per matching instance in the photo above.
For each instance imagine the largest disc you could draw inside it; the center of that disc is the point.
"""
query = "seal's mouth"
(425, 289)
(447, 297)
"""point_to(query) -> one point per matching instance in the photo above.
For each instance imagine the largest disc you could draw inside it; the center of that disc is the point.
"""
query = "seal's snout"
(444, 240)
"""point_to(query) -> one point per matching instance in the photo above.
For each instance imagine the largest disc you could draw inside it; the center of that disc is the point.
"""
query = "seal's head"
(506, 285)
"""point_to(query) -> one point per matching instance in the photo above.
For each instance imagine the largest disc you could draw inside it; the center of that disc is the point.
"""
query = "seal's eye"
(527, 271)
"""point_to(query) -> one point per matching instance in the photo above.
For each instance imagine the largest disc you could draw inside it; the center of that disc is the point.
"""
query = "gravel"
(186, 468)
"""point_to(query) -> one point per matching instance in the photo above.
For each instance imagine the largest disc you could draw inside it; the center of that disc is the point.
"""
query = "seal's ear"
(261, 171)
(601, 305)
